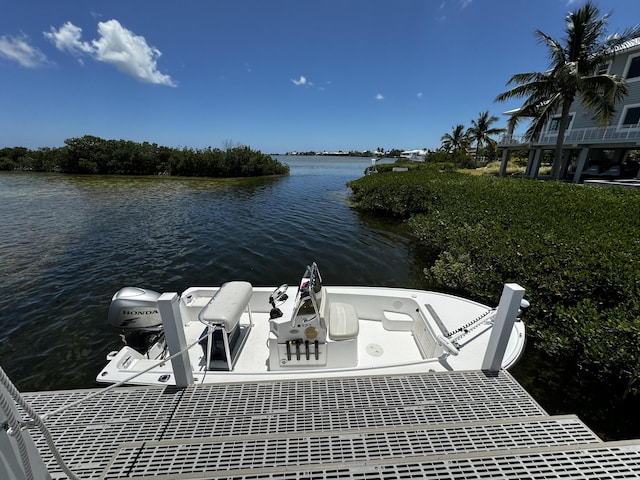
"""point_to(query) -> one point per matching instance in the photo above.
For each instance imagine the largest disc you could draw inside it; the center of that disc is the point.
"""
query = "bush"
(573, 247)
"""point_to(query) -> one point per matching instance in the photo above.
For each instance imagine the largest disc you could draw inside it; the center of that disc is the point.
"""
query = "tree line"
(94, 155)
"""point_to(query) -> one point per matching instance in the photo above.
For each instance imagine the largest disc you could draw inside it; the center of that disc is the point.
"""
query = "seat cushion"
(343, 321)
(227, 305)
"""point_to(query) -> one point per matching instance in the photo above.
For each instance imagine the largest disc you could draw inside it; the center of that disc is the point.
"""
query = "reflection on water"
(69, 242)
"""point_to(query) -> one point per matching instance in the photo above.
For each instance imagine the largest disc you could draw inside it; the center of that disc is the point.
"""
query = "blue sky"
(277, 75)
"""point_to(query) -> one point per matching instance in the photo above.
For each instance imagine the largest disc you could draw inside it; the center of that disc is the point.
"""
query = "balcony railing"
(590, 136)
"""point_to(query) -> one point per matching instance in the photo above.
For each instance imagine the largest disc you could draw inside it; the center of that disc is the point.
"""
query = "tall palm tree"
(575, 70)
(481, 132)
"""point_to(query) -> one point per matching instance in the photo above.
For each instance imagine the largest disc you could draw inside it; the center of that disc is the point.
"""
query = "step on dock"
(457, 425)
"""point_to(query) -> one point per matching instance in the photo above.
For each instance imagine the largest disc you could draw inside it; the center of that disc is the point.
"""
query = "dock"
(454, 425)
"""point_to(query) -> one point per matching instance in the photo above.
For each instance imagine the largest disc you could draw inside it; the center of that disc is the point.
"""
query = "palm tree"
(575, 70)
(481, 132)
(455, 142)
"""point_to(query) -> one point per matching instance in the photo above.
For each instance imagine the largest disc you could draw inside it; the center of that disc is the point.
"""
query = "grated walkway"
(435, 425)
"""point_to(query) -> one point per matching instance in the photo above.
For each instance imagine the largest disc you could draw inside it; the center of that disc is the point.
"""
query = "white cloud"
(115, 45)
(420, 95)
(465, 3)
(129, 53)
(21, 51)
(302, 81)
(67, 38)
(379, 97)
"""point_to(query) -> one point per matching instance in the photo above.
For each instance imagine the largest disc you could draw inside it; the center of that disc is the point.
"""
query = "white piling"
(174, 335)
(512, 296)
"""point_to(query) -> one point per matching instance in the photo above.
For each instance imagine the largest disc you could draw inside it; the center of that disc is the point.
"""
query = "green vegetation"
(93, 155)
(574, 248)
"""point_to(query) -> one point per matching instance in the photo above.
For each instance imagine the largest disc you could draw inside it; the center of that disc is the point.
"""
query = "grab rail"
(16, 426)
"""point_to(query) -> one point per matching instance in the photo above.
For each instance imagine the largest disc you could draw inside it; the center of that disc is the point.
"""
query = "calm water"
(67, 243)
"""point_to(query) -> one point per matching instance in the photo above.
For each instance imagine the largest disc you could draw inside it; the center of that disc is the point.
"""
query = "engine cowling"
(135, 309)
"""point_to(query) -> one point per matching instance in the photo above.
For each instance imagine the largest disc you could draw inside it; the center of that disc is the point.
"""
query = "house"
(594, 150)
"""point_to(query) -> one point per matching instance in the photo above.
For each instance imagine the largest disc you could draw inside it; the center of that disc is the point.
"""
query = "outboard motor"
(135, 312)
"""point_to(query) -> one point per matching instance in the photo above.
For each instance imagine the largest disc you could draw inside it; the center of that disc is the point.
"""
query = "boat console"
(305, 338)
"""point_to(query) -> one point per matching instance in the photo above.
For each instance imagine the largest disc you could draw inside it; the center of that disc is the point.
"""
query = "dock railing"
(576, 136)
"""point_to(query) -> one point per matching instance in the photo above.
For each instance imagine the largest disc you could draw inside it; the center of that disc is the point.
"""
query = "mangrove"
(94, 155)
(575, 248)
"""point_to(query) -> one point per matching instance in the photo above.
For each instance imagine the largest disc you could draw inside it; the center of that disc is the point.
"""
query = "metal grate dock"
(434, 425)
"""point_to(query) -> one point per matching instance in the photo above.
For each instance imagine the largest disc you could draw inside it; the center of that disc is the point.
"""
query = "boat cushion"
(227, 305)
(343, 321)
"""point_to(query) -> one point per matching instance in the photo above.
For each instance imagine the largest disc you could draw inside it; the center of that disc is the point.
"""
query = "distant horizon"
(322, 152)
(275, 76)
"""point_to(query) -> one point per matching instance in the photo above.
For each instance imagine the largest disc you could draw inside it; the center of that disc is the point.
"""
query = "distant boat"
(238, 332)
(414, 155)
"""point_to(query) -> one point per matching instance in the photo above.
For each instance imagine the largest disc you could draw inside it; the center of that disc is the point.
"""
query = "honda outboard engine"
(135, 312)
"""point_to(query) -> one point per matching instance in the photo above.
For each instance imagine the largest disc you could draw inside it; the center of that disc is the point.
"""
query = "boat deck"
(435, 425)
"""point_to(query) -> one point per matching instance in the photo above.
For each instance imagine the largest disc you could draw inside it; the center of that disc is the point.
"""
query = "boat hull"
(395, 331)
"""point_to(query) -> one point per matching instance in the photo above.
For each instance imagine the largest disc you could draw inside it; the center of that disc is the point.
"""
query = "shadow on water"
(561, 388)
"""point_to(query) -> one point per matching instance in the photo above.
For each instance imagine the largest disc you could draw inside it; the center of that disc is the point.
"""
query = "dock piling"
(512, 296)
(174, 335)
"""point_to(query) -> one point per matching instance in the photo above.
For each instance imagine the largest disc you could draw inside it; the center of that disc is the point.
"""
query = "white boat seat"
(343, 321)
(227, 305)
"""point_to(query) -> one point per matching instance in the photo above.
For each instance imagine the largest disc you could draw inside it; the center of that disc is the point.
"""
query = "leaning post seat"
(224, 310)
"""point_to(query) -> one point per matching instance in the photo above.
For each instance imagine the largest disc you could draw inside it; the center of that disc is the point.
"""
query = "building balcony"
(596, 136)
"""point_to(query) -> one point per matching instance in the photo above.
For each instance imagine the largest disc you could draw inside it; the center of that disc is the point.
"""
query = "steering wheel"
(279, 293)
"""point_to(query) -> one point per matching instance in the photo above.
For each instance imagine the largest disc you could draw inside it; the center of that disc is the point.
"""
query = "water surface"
(67, 243)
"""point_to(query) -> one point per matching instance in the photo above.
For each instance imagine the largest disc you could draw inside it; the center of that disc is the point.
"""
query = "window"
(633, 68)
(554, 124)
(631, 117)
(604, 68)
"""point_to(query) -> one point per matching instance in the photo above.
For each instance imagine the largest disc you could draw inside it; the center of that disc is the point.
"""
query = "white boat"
(414, 155)
(237, 332)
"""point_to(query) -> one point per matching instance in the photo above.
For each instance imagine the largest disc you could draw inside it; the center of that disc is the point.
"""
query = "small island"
(94, 155)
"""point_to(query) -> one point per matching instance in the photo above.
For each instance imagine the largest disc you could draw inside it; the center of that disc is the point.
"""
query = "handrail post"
(510, 301)
(174, 335)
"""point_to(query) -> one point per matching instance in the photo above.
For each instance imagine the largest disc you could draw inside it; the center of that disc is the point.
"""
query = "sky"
(276, 75)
